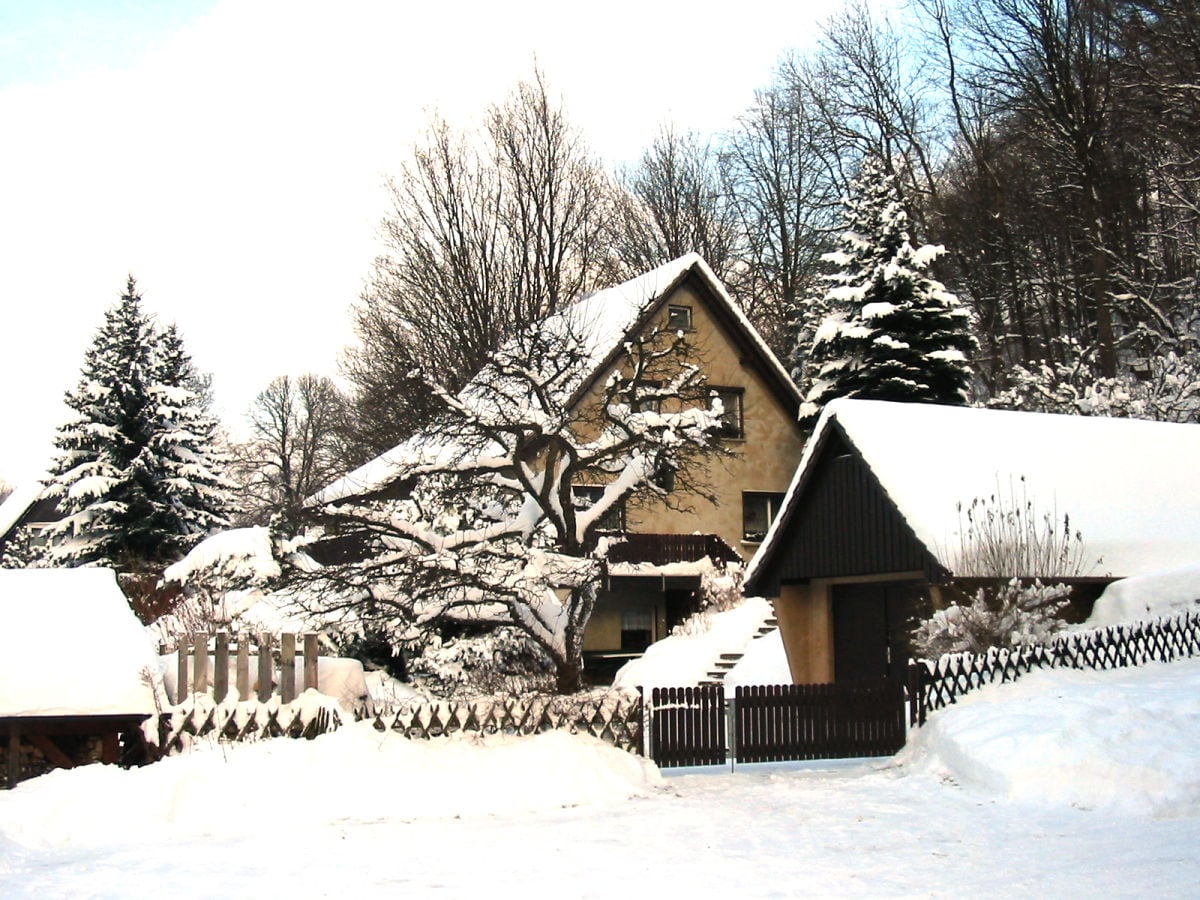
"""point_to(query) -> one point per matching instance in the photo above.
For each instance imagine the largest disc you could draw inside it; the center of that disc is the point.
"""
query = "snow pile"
(355, 773)
(686, 658)
(1148, 596)
(71, 646)
(1120, 741)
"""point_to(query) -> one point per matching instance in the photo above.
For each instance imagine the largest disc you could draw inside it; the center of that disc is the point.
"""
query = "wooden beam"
(51, 750)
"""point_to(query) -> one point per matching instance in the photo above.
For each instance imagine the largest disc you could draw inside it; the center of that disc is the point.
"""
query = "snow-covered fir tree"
(187, 442)
(891, 332)
(135, 473)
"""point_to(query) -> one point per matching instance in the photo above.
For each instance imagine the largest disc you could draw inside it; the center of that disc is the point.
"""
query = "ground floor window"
(637, 629)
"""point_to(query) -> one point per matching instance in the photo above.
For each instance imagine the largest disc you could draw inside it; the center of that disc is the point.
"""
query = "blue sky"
(50, 40)
(231, 154)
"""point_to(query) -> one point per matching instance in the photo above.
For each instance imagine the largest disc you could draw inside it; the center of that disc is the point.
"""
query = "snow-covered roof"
(70, 645)
(17, 504)
(1130, 486)
(603, 321)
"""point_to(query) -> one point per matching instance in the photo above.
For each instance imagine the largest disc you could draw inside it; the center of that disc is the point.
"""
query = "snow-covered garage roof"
(70, 645)
(1130, 486)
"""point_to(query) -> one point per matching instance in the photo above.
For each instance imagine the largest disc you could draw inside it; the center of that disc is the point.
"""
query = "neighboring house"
(870, 528)
(657, 551)
(27, 507)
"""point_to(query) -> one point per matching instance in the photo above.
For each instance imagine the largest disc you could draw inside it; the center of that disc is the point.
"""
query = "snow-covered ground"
(1064, 783)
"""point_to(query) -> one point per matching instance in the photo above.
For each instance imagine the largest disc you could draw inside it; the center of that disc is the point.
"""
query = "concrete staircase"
(724, 664)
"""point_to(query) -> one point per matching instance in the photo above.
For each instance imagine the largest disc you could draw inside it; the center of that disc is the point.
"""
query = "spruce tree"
(891, 332)
(133, 479)
(189, 464)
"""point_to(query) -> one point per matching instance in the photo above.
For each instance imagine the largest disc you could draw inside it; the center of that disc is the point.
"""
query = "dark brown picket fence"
(936, 684)
(773, 723)
(687, 725)
(818, 721)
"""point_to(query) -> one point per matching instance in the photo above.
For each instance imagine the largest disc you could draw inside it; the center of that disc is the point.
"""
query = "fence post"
(221, 671)
(243, 667)
(311, 671)
(731, 732)
(266, 668)
(181, 672)
(287, 667)
(200, 663)
(915, 716)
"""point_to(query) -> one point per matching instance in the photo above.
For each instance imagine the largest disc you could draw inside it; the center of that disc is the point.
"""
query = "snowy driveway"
(1066, 784)
(857, 830)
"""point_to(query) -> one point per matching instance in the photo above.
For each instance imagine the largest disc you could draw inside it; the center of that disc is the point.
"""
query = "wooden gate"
(774, 723)
(818, 721)
(687, 726)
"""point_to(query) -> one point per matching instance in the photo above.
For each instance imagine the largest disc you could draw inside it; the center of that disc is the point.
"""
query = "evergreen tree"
(890, 331)
(133, 475)
(186, 444)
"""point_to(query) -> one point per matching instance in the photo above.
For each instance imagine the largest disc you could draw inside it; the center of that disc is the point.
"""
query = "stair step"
(731, 656)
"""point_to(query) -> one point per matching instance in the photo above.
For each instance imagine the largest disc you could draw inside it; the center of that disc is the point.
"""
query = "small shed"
(76, 670)
(874, 520)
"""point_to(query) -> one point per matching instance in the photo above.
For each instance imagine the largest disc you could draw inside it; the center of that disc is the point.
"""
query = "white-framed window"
(587, 495)
(732, 423)
(679, 318)
(759, 509)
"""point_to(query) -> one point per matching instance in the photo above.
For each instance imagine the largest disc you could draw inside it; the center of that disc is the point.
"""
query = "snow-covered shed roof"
(603, 321)
(70, 645)
(1131, 487)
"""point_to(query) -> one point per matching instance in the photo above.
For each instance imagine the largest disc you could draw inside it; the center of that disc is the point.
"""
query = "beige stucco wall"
(763, 460)
(604, 627)
(805, 619)
(805, 614)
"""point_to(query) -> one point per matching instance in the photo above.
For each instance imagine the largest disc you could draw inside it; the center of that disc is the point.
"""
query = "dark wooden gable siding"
(841, 523)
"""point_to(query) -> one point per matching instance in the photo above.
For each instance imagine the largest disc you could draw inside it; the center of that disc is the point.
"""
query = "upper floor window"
(759, 509)
(679, 318)
(732, 424)
(645, 396)
(587, 495)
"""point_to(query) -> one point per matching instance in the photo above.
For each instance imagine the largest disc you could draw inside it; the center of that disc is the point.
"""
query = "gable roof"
(604, 321)
(1129, 486)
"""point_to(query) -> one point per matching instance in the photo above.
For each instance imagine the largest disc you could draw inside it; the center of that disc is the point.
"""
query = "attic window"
(759, 509)
(679, 318)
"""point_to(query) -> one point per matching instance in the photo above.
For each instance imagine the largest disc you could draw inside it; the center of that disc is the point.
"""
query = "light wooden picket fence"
(273, 672)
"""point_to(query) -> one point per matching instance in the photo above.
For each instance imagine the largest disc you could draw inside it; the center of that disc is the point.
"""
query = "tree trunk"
(568, 676)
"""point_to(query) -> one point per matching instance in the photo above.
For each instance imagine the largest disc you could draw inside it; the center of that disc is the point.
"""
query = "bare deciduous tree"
(488, 233)
(676, 202)
(296, 448)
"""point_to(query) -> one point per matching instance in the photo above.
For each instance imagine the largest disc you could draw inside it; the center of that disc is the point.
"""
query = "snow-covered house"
(891, 500)
(657, 550)
(76, 669)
